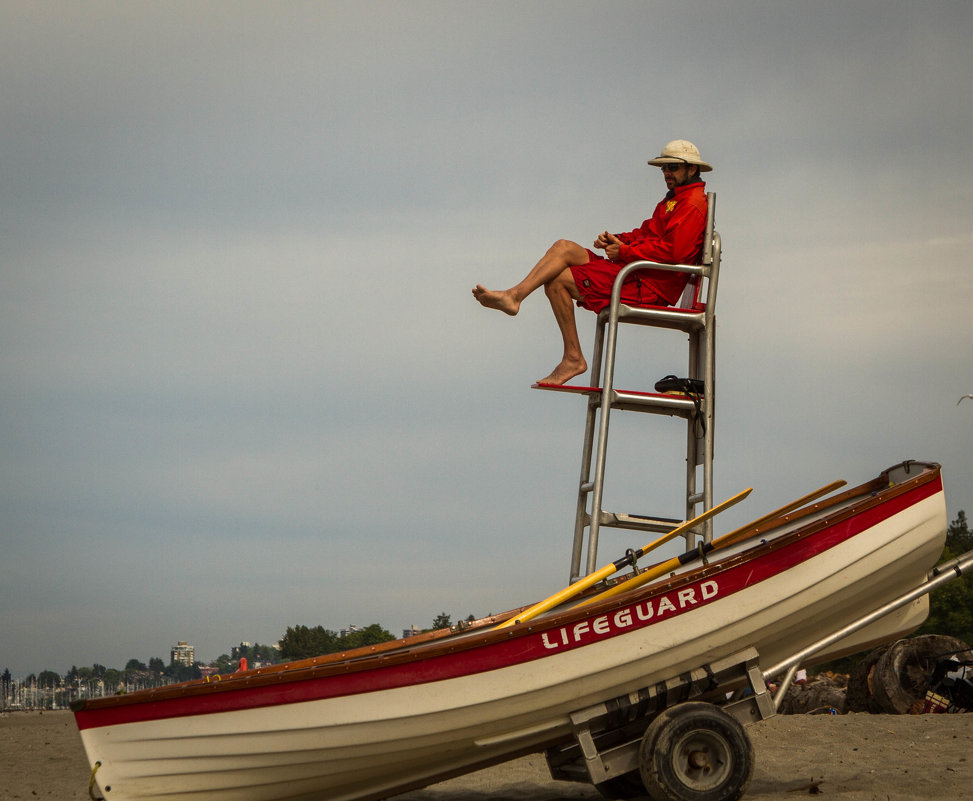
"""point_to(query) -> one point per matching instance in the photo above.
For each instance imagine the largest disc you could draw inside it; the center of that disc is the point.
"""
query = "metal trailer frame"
(608, 737)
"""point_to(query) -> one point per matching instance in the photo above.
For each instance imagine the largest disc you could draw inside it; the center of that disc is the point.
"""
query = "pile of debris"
(930, 673)
(824, 694)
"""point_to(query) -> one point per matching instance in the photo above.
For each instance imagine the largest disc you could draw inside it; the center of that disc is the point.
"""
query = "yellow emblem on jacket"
(670, 205)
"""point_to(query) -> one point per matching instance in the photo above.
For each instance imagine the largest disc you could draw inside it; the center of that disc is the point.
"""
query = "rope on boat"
(91, 784)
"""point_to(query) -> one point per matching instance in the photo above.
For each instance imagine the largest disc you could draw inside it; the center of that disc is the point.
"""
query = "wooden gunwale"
(429, 645)
(872, 493)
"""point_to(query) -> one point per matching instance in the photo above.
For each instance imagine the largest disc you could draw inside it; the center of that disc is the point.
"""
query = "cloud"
(243, 383)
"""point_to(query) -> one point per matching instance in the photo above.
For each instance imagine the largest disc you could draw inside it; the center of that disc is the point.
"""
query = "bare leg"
(561, 255)
(562, 292)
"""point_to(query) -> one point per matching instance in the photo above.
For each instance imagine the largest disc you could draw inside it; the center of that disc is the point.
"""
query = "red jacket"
(673, 235)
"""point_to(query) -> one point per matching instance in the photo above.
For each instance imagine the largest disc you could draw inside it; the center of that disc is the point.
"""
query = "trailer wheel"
(695, 752)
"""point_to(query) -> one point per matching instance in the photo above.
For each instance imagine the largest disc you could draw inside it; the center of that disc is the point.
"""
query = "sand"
(856, 757)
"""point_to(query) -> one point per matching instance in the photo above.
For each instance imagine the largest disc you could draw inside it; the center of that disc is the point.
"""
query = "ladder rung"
(635, 401)
(659, 525)
(655, 403)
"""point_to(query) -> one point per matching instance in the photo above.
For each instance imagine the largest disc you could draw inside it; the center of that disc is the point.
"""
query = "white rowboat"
(385, 719)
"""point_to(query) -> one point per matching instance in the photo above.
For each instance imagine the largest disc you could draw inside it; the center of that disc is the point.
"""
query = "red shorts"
(596, 278)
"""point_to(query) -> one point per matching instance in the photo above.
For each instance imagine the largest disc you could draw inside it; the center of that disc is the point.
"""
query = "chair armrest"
(689, 269)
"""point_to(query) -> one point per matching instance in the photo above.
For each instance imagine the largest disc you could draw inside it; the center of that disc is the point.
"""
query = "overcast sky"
(244, 385)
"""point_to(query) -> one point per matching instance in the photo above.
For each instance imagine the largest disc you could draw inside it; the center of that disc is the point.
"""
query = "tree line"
(49, 688)
(951, 606)
(302, 642)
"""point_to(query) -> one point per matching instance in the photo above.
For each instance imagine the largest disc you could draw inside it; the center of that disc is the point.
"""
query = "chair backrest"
(692, 295)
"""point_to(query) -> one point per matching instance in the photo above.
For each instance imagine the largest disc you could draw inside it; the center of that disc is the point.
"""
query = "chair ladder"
(698, 321)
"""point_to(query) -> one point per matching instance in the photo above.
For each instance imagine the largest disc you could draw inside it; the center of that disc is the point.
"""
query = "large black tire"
(859, 697)
(695, 752)
(901, 676)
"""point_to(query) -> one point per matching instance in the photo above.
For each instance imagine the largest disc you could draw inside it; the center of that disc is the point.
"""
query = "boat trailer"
(676, 736)
(683, 739)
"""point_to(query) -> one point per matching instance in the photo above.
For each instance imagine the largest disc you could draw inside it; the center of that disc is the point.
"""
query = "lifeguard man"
(571, 273)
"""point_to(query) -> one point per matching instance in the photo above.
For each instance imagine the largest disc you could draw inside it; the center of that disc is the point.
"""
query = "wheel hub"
(705, 760)
(699, 760)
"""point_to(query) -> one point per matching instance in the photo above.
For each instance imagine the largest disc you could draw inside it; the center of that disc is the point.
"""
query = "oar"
(593, 578)
(735, 536)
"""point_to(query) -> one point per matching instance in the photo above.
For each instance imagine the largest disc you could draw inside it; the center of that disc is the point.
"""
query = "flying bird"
(963, 399)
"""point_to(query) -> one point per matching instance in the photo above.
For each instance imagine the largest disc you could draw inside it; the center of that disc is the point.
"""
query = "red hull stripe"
(538, 643)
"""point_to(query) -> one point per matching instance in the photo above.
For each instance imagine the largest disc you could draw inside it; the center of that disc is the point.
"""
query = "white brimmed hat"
(679, 151)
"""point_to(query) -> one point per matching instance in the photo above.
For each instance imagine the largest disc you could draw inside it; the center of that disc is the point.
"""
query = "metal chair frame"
(699, 322)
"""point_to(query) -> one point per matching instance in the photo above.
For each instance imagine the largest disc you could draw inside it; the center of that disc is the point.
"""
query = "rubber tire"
(859, 697)
(701, 727)
(902, 675)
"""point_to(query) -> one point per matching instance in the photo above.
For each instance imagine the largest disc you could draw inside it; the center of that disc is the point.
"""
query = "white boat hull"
(413, 718)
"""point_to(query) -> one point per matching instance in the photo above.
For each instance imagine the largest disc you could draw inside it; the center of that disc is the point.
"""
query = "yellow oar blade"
(670, 564)
(684, 527)
(651, 574)
(559, 597)
(593, 578)
(736, 535)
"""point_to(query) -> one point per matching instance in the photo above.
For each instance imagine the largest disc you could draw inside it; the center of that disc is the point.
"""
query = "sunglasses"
(672, 167)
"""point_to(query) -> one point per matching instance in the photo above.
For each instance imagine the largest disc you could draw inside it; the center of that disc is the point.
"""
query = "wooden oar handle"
(726, 540)
(629, 559)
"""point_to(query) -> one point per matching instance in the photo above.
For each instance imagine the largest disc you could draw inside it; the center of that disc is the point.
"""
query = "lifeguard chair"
(694, 315)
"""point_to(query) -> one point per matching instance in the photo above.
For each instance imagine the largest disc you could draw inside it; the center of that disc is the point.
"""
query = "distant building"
(264, 655)
(183, 654)
(412, 631)
(240, 650)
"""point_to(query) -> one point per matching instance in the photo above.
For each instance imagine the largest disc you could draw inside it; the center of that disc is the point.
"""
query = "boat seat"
(689, 313)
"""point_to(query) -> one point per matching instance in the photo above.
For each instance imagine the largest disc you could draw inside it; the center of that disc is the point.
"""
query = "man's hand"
(612, 245)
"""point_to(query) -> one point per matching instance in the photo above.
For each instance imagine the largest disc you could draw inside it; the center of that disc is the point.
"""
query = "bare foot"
(497, 300)
(565, 371)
